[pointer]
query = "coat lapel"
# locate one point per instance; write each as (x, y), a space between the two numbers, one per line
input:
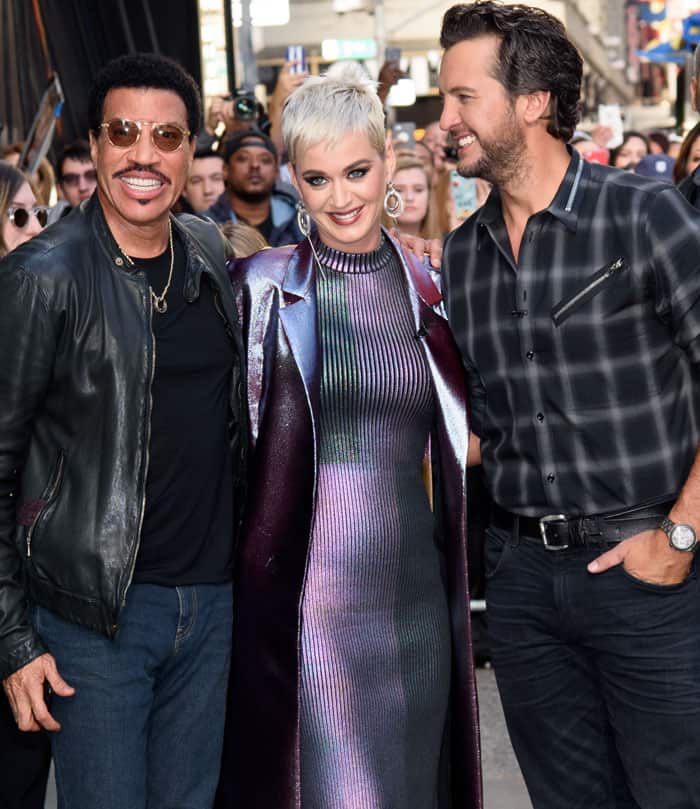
(299, 321)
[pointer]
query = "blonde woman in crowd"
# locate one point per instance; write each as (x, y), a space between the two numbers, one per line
(352, 684)
(412, 182)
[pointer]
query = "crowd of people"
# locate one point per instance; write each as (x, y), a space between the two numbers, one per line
(237, 490)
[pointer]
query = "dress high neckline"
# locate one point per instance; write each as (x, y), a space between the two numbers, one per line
(341, 261)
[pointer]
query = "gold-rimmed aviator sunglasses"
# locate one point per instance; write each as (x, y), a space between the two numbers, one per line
(123, 133)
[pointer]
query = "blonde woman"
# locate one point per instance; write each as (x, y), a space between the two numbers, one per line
(419, 216)
(352, 684)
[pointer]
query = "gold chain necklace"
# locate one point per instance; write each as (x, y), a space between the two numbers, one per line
(158, 301)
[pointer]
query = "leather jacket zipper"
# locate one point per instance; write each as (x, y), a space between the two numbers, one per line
(50, 495)
(132, 564)
(563, 310)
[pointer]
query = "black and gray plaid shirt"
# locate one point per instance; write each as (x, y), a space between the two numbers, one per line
(582, 358)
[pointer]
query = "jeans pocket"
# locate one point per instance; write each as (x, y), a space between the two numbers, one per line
(652, 587)
(497, 549)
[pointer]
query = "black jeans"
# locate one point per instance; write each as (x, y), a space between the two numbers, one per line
(25, 759)
(599, 676)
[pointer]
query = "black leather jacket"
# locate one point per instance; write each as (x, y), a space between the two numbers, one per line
(76, 369)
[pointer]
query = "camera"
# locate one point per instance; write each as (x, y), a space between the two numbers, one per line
(245, 105)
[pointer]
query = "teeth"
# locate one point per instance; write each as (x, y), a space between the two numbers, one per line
(345, 215)
(142, 182)
(467, 140)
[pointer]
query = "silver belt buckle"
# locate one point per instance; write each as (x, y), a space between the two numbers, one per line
(544, 522)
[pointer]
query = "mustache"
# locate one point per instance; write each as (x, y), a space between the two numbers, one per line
(142, 167)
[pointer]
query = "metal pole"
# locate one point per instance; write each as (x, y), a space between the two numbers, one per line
(151, 28)
(230, 60)
(127, 28)
(681, 95)
(379, 30)
(245, 44)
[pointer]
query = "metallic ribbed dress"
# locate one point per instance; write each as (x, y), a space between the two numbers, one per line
(375, 635)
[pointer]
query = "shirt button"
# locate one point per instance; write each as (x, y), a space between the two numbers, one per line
(530, 355)
(551, 478)
(540, 417)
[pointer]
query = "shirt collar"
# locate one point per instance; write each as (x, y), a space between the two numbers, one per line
(566, 203)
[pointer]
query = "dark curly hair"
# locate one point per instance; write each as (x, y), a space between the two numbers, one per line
(535, 54)
(145, 70)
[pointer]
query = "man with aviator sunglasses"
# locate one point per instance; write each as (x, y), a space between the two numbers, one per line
(121, 459)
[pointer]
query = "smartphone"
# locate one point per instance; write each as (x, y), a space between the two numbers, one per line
(392, 55)
(296, 53)
(464, 199)
(404, 135)
(611, 115)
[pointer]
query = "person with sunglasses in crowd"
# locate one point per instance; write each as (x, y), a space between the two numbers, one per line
(22, 218)
(76, 178)
(25, 757)
(121, 449)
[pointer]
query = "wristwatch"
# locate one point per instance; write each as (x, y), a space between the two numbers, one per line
(681, 536)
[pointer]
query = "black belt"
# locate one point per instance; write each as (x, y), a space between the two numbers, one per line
(558, 532)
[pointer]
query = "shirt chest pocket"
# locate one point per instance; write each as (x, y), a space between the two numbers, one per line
(610, 278)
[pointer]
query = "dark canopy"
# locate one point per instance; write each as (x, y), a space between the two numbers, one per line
(81, 36)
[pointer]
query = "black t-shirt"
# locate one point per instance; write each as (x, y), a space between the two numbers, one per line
(187, 533)
(265, 227)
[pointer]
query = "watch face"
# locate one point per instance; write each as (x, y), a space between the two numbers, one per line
(682, 537)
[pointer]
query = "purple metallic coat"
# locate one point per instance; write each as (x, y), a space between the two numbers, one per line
(276, 297)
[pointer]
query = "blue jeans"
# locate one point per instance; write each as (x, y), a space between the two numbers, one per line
(145, 726)
(599, 676)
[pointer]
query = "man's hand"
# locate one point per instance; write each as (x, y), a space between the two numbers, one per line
(220, 111)
(421, 247)
(601, 136)
(647, 556)
(25, 691)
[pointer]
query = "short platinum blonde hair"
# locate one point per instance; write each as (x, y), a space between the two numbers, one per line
(326, 108)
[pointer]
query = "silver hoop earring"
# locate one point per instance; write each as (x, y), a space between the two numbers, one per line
(393, 202)
(303, 219)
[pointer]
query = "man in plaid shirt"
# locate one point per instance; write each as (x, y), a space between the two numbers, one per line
(574, 295)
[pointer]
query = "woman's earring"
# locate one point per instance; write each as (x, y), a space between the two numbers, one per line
(393, 202)
(303, 219)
